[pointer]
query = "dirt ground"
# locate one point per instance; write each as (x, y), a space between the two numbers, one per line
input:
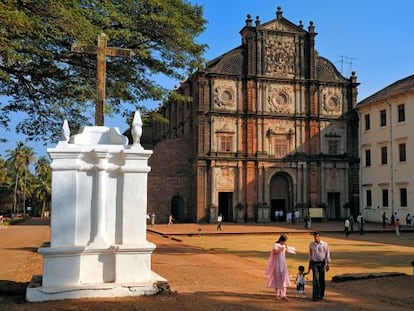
(199, 280)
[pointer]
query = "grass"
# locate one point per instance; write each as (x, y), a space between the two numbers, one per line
(369, 253)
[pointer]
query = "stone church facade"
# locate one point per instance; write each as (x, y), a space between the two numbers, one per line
(271, 126)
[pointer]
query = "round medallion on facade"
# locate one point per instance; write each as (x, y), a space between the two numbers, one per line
(224, 97)
(279, 102)
(332, 104)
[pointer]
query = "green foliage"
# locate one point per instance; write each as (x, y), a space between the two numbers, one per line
(19, 187)
(41, 77)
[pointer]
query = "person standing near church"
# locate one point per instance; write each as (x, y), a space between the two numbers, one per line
(319, 260)
(276, 268)
(170, 220)
(219, 221)
(397, 226)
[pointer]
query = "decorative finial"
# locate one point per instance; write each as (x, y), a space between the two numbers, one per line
(65, 131)
(311, 27)
(257, 22)
(300, 24)
(136, 130)
(248, 20)
(279, 13)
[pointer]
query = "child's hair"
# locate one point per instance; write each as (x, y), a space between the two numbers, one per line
(301, 268)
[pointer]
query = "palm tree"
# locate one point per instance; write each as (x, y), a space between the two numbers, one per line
(4, 187)
(43, 188)
(19, 160)
(3, 172)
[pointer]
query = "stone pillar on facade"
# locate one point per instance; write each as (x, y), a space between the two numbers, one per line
(213, 193)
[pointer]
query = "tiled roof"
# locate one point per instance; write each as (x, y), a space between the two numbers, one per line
(399, 87)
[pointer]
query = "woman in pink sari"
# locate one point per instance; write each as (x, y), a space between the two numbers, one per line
(276, 269)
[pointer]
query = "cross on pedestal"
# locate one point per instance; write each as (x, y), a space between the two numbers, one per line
(101, 50)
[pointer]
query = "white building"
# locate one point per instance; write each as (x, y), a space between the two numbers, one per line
(386, 147)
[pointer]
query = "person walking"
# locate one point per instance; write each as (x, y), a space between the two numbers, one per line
(361, 221)
(384, 220)
(408, 220)
(276, 268)
(170, 220)
(397, 226)
(347, 226)
(361, 228)
(219, 221)
(297, 217)
(152, 219)
(319, 260)
(308, 221)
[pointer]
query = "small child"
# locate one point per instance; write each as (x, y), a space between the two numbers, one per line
(300, 282)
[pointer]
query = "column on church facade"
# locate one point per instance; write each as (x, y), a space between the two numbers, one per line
(213, 188)
(239, 174)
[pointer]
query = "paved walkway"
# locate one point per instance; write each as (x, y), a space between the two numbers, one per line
(268, 228)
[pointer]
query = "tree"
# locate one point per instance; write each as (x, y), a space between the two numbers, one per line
(41, 77)
(18, 162)
(43, 188)
(3, 172)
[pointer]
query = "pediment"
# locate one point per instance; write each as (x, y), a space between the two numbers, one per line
(282, 25)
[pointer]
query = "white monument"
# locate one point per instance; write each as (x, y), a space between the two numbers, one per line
(98, 244)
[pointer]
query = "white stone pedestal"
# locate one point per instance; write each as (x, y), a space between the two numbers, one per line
(98, 242)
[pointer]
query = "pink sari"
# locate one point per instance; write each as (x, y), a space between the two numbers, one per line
(276, 269)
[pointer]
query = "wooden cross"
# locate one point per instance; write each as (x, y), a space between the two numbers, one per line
(101, 50)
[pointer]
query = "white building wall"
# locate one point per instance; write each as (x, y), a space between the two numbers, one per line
(396, 174)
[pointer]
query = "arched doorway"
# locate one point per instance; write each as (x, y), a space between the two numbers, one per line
(280, 196)
(177, 207)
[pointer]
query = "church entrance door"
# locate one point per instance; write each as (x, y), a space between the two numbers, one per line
(225, 208)
(280, 196)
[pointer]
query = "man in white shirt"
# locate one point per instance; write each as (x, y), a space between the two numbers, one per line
(319, 259)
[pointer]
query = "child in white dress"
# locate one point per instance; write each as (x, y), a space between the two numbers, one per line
(300, 282)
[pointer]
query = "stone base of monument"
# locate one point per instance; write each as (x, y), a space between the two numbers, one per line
(89, 272)
(36, 293)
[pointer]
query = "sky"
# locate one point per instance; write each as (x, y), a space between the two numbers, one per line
(371, 37)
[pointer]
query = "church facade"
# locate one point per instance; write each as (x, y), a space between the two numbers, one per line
(271, 127)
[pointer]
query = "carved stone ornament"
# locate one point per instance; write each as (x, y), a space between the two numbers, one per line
(279, 101)
(279, 56)
(224, 97)
(331, 103)
(225, 178)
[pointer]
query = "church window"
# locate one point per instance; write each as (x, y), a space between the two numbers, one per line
(281, 147)
(333, 146)
(226, 143)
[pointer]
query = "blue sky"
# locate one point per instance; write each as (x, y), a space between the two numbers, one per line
(371, 37)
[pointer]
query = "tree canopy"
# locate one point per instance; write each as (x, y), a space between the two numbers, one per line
(41, 77)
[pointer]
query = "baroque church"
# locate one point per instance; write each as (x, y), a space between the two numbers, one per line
(271, 126)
